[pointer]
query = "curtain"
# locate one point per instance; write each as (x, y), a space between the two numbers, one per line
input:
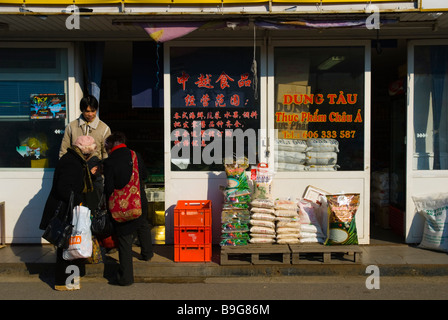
(439, 56)
(94, 53)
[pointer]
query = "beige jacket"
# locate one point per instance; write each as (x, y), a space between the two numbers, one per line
(79, 127)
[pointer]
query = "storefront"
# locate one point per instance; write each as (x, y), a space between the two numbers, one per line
(272, 75)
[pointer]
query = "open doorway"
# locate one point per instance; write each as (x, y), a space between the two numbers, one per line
(129, 103)
(388, 151)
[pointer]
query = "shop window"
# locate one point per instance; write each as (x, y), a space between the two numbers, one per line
(319, 108)
(32, 106)
(215, 107)
(430, 108)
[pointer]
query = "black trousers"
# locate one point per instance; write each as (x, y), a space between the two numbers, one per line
(125, 274)
(62, 272)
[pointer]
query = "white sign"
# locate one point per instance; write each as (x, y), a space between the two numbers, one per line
(434, 4)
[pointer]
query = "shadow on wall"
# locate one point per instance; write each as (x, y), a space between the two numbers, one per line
(215, 180)
(26, 229)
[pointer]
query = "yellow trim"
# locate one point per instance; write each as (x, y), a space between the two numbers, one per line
(244, 2)
(58, 2)
(149, 2)
(317, 2)
(434, 9)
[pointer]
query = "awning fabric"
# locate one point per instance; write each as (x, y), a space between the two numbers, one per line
(166, 31)
(316, 24)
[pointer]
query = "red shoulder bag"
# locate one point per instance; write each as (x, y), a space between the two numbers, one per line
(125, 204)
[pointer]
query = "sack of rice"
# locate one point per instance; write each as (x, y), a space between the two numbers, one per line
(321, 158)
(341, 219)
(293, 145)
(262, 177)
(323, 145)
(235, 215)
(434, 208)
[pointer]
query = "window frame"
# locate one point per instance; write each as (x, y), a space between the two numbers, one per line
(367, 107)
(167, 100)
(67, 76)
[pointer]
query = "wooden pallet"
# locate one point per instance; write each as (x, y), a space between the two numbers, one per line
(256, 254)
(320, 254)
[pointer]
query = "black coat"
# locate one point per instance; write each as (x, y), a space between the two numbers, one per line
(117, 172)
(68, 176)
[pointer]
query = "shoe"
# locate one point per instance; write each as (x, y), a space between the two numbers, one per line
(115, 282)
(66, 288)
(111, 251)
(146, 258)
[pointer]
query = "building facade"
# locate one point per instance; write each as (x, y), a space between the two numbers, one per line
(366, 79)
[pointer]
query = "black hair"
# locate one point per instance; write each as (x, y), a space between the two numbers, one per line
(87, 101)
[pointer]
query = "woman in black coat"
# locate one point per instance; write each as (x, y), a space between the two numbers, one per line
(117, 173)
(72, 173)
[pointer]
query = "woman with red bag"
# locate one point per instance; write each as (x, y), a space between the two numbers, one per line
(118, 169)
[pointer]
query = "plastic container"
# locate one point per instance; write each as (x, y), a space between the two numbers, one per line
(192, 235)
(192, 253)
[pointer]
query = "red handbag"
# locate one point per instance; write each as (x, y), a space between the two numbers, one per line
(109, 242)
(125, 204)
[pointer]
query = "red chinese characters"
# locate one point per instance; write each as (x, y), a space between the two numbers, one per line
(219, 119)
(206, 81)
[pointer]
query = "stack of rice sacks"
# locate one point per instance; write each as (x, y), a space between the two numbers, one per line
(262, 221)
(290, 154)
(322, 155)
(235, 214)
(287, 222)
(262, 225)
(310, 217)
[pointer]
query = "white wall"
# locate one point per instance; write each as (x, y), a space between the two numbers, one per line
(24, 193)
(205, 186)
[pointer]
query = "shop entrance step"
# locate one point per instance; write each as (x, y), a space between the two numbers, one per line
(320, 254)
(255, 254)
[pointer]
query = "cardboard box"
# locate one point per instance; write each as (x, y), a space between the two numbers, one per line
(292, 70)
(288, 113)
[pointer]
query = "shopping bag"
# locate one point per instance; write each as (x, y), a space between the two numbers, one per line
(109, 242)
(97, 256)
(102, 225)
(80, 245)
(59, 228)
(125, 204)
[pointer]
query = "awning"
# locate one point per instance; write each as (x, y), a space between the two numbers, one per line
(316, 24)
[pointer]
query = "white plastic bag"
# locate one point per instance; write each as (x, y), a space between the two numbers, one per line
(81, 239)
(434, 208)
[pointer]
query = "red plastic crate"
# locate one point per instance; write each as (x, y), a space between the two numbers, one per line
(192, 253)
(192, 235)
(195, 213)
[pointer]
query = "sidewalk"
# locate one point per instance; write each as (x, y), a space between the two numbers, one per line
(392, 260)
